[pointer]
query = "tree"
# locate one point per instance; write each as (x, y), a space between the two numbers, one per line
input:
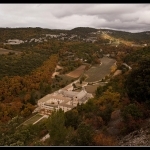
(131, 110)
(56, 127)
(100, 90)
(108, 102)
(84, 135)
(72, 118)
(132, 117)
(101, 139)
(138, 82)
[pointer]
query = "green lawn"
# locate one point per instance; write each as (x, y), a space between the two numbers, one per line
(32, 119)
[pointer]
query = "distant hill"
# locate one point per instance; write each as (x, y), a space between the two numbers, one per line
(84, 30)
(37, 32)
(139, 37)
(25, 33)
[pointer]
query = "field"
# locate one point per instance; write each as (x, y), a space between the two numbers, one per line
(32, 119)
(98, 72)
(6, 51)
(66, 79)
(77, 72)
(92, 88)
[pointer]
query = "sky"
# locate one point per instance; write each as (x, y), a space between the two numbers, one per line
(125, 17)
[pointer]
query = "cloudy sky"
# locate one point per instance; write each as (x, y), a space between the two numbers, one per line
(126, 17)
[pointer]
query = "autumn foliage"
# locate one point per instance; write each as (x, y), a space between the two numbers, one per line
(18, 94)
(101, 139)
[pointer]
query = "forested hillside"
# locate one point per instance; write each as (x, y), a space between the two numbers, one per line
(118, 108)
(138, 38)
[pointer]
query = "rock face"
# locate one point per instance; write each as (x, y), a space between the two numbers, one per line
(114, 123)
(139, 137)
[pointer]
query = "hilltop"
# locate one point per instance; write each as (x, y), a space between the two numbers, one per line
(78, 33)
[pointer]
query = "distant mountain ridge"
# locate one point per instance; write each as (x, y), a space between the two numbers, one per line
(33, 32)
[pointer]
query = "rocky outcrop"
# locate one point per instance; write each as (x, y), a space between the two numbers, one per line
(139, 137)
(114, 122)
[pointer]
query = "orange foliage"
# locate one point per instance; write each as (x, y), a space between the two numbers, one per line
(96, 122)
(17, 90)
(101, 139)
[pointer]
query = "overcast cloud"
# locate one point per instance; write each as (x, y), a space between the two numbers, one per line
(126, 17)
